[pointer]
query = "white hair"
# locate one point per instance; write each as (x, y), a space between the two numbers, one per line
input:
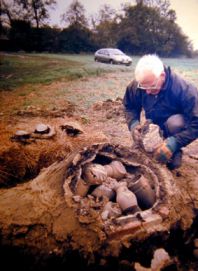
(148, 64)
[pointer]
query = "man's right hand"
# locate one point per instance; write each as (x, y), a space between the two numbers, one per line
(136, 133)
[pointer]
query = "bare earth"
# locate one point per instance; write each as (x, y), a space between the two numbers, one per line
(94, 107)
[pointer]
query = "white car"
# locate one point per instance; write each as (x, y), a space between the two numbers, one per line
(112, 56)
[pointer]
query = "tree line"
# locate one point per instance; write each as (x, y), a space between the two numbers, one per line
(146, 26)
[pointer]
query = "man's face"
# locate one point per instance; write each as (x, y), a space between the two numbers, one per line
(151, 84)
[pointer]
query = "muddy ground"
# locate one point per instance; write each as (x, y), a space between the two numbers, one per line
(102, 121)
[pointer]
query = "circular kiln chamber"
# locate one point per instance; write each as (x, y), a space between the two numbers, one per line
(150, 183)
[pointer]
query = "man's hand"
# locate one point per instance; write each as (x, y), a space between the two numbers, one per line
(163, 154)
(165, 151)
(136, 133)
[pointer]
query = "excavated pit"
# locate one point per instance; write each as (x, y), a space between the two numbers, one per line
(154, 198)
(70, 227)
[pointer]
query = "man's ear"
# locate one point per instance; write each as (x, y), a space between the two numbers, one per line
(163, 75)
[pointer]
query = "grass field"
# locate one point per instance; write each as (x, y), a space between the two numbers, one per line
(47, 80)
(20, 69)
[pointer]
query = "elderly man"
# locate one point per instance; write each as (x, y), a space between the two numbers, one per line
(168, 101)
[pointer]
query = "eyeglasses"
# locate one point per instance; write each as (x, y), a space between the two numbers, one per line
(154, 86)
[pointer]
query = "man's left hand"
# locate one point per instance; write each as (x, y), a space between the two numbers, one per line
(164, 152)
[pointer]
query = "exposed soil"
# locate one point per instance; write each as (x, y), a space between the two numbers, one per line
(21, 161)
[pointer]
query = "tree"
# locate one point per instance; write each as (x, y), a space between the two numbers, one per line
(105, 27)
(144, 30)
(76, 37)
(76, 40)
(20, 35)
(75, 14)
(163, 6)
(33, 11)
(181, 44)
(39, 10)
(11, 10)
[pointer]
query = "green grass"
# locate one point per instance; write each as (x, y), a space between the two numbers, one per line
(29, 69)
(32, 75)
(20, 69)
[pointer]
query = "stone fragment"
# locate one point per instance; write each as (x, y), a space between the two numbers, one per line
(72, 128)
(111, 210)
(160, 260)
(151, 137)
(42, 129)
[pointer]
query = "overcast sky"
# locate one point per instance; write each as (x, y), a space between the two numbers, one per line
(186, 11)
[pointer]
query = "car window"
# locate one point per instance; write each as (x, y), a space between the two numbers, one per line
(116, 52)
(101, 52)
(106, 52)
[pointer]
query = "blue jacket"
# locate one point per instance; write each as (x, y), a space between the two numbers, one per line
(176, 97)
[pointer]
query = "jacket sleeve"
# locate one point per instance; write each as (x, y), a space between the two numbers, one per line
(132, 104)
(189, 103)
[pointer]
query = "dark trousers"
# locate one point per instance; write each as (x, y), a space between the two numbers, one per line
(174, 124)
